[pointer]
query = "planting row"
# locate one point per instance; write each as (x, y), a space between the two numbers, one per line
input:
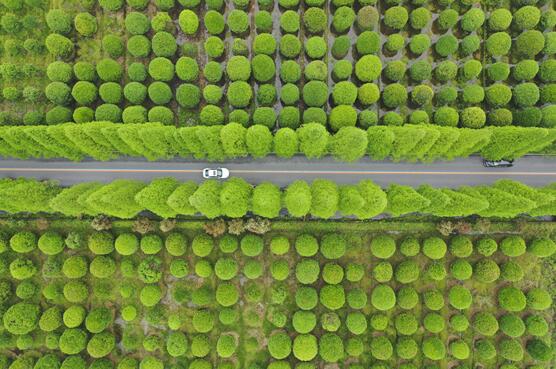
(105, 141)
(235, 198)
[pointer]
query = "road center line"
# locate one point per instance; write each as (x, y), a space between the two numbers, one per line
(264, 171)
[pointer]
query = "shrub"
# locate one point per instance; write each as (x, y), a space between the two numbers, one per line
(59, 72)
(164, 44)
(420, 71)
(469, 45)
(419, 18)
(368, 93)
(238, 21)
(59, 21)
(434, 248)
(342, 116)
(511, 299)
(344, 17)
(539, 350)
(263, 68)
(59, 46)
(419, 44)
(367, 18)
(214, 22)
(459, 349)
(342, 70)
(331, 348)
(473, 117)
(446, 71)
(73, 341)
(137, 23)
(368, 68)
(315, 47)
(538, 299)
(485, 323)
(21, 318)
(239, 94)
(422, 95)
(84, 93)
(472, 20)
(290, 46)
(446, 45)
(315, 20)
(23, 242)
(289, 21)
(512, 325)
(279, 345)
(344, 93)
(407, 272)
(460, 297)
(433, 348)
(340, 47)
(395, 70)
(160, 93)
(394, 95)
(189, 22)
(383, 297)
(527, 17)
(433, 323)
(486, 271)
(396, 17)
(498, 94)
(381, 348)
(305, 347)
(289, 94)
(447, 19)
(510, 349)
(188, 95)
(263, 21)
(266, 95)
(383, 247)
(499, 20)
(498, 44)
(513, 246)
(85, 24)
(316, 70)
(529, 43)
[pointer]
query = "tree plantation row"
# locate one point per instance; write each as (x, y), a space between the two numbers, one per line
(106, 140)
(235, 198)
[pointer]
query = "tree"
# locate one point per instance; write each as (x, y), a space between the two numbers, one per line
(266, 200)
(349, 144)
(404, 200)
(206, 199)
(259, 141)
(324, 194)
(179, 199)
(153, 197)
(235, 196)
(21, 318)
(313, 140)
(298, 198)
(117, 198)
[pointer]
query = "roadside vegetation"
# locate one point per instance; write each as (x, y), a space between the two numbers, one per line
(105, 141)
(235, 198)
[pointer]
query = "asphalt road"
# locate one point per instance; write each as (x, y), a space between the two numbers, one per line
(532, 170)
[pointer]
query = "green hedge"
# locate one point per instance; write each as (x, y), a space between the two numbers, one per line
(234, 198)
(105, 141)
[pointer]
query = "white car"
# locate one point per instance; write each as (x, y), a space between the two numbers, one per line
(218, 173)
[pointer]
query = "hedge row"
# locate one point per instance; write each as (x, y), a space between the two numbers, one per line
(234, 198)
(105, 141)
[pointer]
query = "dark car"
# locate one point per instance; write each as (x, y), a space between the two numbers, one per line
(498, 163)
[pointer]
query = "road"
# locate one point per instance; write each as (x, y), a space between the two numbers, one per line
(532, 170)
